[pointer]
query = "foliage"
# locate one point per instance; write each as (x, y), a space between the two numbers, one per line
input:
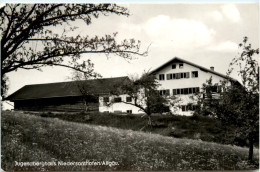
(144, 94)
(238, 104)
(28, 40)
(88, 92)
(207, 99)
(28, 138)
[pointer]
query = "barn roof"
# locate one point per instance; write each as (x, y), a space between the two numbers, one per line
(177, 59)
(66, 89)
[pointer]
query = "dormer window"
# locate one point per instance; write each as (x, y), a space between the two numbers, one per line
(174, 66)
(181, 65)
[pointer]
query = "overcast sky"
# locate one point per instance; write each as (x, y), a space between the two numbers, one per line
(206, 34)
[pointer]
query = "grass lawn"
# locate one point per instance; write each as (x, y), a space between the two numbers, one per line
(199, 128)
(28, 138)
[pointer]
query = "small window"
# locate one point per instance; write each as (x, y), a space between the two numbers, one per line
(182, 75)
(167, 92)
(186, 91)
(106, 99)
(174, 66)
(181, 65)
(174, 91)
(195, 74)
(178, 91)
(129, 111)
(182, 91)
(128, 99)
(161, 76)
(197, 89)
(183, 107)
(190, 91)
(169, 76)
(178, 75)
(214, 89)
(173, 76)
(187, 74)
(117, 99)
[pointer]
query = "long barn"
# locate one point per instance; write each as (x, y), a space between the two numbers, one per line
(64, 96)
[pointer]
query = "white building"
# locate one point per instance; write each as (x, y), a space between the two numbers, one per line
(182, 78)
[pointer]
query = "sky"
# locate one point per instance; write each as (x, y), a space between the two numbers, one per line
(205, 34)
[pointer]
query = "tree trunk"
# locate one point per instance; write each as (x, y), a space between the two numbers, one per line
(149, 120)
(251, 149)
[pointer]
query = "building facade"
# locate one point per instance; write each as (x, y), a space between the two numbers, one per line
(182, 79)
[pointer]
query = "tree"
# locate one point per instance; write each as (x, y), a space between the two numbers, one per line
(22, 25)
(238, 104)
(88, 92)
(144, 95)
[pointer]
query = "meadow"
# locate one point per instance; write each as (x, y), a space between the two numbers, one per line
(193, 127)
(30, 138)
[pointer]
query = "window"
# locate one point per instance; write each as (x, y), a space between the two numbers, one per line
(162, 92)
(169, 76)
(214, 88)
(189, 107)
(195, 74)
(117, 99)
(185, 90)
(182, 75)
(183, 107)
(178, 75)
(105, 99)
(186, 75)
(128, 99)
(161, 76)
(174, 66)
(193, 90)
(165, 92)
(174, 91)
(173, 76)
(129, 111)
(180, 65)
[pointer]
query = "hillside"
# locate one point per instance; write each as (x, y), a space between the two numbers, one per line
(28, 138)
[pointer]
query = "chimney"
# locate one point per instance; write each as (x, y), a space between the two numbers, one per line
(212, 68)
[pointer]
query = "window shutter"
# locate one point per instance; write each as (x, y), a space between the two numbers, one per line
(174, 76)
(178, 76)
(168, 76)
(167, 93)
(187, 74)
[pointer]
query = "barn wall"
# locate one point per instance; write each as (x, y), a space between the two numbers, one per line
(63, 104)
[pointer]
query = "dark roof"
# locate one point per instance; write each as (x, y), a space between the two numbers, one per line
(66, 89)
(177, 59)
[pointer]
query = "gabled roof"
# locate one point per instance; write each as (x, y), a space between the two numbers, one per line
(177, 59)
(66, 89)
